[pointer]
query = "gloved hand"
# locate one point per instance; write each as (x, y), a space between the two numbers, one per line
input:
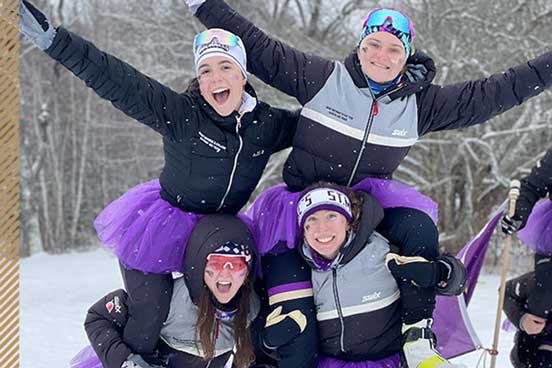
(136, 361)
(447, 274)
(35, 26)
(511, 225)
(529, 194)
(418, 270)
(282, 328)
(194, 5)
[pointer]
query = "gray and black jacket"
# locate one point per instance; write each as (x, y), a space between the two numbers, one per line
(356, 297)
(178, 343)
(345, 133)
(212, 163)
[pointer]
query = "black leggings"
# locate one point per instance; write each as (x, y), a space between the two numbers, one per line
(149, 298)
(415, 234)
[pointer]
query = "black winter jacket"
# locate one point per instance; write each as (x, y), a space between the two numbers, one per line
(212, 163)
(345, 133)
(528, 349)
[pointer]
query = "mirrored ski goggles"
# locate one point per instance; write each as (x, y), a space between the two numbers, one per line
(219, 262)
(217, 38)
(391, 18)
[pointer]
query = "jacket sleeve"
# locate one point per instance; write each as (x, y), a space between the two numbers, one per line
(517, 292)
(287, 125)
(130, 91)
(104, 325)
(538, 184)
(474, 102)
(291, 71)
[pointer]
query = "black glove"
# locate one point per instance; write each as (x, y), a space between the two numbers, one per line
(35, 26)
(418, 270)
(282, 328)
(536, 185)
(524, 206)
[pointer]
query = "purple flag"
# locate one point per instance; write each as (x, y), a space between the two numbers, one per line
(455, 332)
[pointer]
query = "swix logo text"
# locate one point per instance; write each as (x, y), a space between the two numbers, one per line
(400, 132)
(373, 296)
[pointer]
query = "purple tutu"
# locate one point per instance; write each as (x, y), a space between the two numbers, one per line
(86, 358)
(144, 231)
(392, 194)
(537, 234)
(389, 362)
(274, 212)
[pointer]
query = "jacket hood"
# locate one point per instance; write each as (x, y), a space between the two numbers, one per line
(371, 216)
(420, 72)
(211, 232)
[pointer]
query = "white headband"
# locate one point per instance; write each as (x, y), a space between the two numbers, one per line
(323, 199)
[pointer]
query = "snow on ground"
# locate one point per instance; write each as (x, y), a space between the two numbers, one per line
(56, 291)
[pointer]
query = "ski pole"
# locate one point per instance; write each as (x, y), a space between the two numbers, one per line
(513, 195)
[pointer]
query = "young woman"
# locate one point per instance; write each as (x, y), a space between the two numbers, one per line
(217, 138)
(210, 312)
(356, 295)
(533, 341)
(535, 225)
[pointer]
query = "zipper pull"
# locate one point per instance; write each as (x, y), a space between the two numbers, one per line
(376, 108)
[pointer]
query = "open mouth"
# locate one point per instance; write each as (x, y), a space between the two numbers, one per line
(221, 95)
(224, 286)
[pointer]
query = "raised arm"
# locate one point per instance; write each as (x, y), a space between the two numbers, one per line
(276, 63)
(135, 94)
(474, 102)
(536, 185)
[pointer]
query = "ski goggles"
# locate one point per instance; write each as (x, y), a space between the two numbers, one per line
(215, 38)
(219, 262)
(389, 18)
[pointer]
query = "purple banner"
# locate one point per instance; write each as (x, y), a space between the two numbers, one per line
(455, 333)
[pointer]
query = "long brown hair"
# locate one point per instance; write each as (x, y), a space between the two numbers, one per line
(205, 327)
